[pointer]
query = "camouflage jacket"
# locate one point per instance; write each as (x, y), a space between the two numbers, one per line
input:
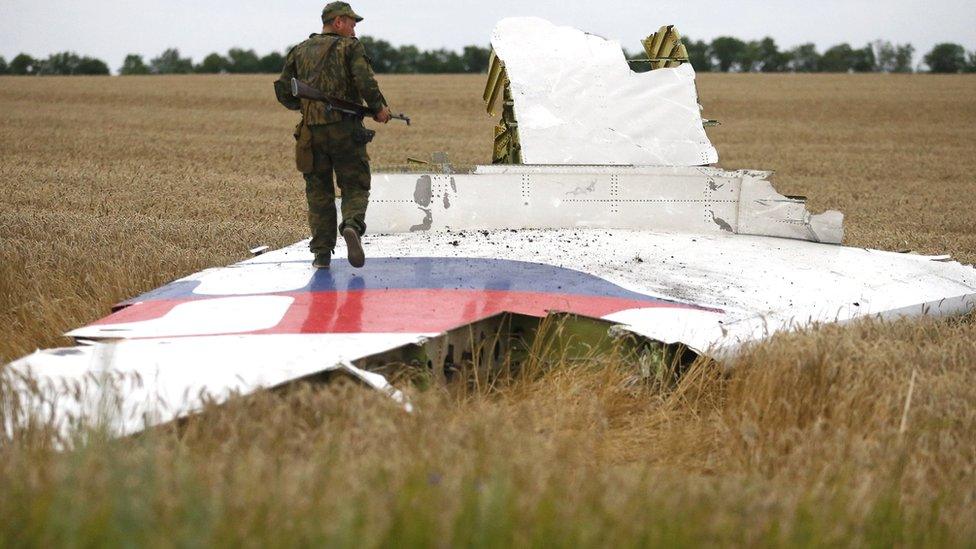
(336, 65)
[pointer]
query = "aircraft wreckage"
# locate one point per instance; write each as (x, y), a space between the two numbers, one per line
(600, 208)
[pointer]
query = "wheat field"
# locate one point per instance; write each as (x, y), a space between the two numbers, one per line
(859, 435)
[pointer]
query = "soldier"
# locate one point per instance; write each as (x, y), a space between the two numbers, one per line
(328, 141)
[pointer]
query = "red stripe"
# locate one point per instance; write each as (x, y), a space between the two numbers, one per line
(398, 311)
(431, 310)
(141, 311)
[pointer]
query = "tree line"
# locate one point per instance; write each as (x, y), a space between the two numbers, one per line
(730, 54)
(67, 62)
(385, 57)
(723, 54)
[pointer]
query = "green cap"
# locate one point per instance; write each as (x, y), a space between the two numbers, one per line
(335, 9)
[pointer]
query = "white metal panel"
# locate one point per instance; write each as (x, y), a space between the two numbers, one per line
(687, 199)
(156, 380)
(763, 211)
(578, 102)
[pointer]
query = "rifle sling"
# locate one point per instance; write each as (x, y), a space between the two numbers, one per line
(321, 65)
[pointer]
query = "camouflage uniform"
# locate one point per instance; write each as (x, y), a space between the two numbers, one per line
(329, 141)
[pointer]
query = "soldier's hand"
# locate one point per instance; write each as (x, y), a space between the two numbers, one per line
(383, 116)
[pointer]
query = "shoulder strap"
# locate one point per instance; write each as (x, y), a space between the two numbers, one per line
(321, 64)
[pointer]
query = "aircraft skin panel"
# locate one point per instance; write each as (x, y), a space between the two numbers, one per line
(712, 293)
(688, 199)
(395, 295)
(156, 380)
(577, 101)
(357, 311)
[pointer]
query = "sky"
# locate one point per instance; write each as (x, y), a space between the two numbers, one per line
(110, 29)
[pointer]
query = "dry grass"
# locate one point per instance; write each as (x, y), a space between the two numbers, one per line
(112, 186)
(802, 444)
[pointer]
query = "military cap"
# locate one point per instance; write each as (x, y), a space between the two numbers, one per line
(335, 9)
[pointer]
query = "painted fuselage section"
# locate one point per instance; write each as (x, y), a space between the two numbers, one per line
(391, 295)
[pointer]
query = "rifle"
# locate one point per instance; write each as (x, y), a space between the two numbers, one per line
(302, 90)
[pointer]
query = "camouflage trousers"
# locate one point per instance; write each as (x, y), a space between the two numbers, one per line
(338, 148)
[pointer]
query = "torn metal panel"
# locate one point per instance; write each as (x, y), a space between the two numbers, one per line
(765, 212)
(688, 199)
(153, 380)
(577, 101)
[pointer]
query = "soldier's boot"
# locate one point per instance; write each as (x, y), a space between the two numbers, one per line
(357, 257)
(322, 260)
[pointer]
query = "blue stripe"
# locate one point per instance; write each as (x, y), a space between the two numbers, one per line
(439, 273)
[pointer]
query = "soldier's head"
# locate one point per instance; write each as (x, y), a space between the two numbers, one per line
(339, 18)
